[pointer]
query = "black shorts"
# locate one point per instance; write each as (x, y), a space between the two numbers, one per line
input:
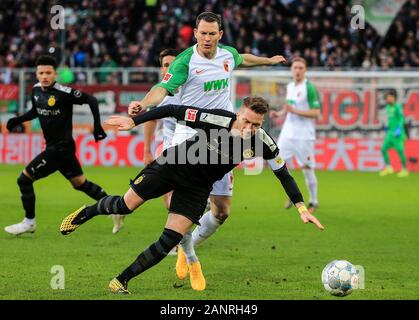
(49, 161)
(155, 180)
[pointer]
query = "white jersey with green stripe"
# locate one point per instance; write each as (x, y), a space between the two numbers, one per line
(203, 83)
(301, 96)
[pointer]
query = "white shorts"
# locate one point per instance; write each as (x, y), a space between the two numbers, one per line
(167, 141)
(222, 187)
(302, 150)
(163, 140)
(181, 134)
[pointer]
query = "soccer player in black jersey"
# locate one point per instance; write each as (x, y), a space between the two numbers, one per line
(53, 103)
(224, 139)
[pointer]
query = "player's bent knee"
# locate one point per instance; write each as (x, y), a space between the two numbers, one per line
(28, 175)
(78, 182)
(168, 240)
(132, 199)
(223, 214)
(24, 180)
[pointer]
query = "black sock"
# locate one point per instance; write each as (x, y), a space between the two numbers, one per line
(27, 195)
(151, 256)
(92, 190)
(105, 206)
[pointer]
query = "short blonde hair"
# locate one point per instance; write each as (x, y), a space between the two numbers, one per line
(299, 59)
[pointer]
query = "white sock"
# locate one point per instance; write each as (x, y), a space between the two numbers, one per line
(209, 224)
(29, 221)
(311, 183)
(188, 248)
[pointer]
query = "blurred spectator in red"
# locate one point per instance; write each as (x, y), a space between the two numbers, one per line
(186, 33)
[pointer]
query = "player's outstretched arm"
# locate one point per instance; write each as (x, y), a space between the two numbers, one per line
(79, 97)
(190, 116)
(120, 122)
(277, 113)
(312, 113)
(153, 98)
(307, 216)
(28, 116)
(98, 131)
(293, 192)
(126, 123)
(250, 60)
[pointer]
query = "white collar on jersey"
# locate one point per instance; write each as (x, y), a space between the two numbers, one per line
(301, 83)
(195, 50)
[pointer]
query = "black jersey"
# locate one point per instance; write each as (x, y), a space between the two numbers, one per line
(213, 150)
(54, 108)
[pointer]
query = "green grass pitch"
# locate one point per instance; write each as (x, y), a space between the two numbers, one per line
(262, 252)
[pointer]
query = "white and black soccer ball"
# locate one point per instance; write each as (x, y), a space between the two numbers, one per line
(339, 278)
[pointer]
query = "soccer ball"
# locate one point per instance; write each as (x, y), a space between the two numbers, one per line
(339, 278)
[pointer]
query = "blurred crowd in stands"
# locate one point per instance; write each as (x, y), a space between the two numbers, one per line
(128, 33)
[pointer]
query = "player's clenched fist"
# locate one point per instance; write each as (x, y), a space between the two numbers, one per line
(277, 59)
(134, 108)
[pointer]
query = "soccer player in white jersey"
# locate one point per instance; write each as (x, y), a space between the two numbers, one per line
(166, 57)
(202, 74)
(298, 133)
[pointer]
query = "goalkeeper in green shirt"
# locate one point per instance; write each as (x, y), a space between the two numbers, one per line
(396, 134)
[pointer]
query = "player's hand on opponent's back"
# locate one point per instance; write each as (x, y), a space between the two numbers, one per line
(134, 108)
(308, 217)
(122, 123)
(98, 132)
(277, 59)
(13, 122)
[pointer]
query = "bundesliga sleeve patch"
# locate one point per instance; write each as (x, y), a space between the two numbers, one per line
(167, 77)
(77, 93)
(190, 115)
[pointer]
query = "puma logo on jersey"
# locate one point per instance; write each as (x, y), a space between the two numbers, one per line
(36, 98)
